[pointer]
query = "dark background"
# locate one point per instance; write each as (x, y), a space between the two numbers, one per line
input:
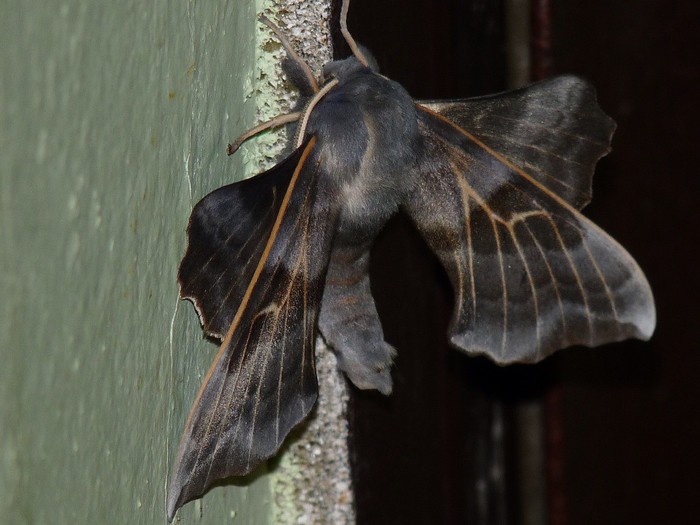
(622, 420)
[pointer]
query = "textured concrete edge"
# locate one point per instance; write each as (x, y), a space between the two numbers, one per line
(312, 481)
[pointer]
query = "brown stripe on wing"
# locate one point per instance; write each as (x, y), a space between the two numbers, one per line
(540, 275)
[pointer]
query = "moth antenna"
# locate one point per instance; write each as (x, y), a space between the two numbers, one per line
(309, 108)
(348, 37)
(279, 120)
(291, 53)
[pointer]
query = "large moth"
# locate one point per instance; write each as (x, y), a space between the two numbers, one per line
(493, 184)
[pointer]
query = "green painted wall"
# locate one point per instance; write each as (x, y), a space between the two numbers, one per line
(114, 117)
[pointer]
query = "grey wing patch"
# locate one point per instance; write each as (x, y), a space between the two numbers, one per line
(552, 129)
(531, 274)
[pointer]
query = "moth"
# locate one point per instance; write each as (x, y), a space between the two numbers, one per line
(493, 184)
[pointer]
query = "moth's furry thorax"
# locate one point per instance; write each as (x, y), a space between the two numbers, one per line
(369, 142)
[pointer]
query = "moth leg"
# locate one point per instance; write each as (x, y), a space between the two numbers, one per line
(279, 120)
(349, 322)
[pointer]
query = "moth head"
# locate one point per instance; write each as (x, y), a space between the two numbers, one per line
(342, 69)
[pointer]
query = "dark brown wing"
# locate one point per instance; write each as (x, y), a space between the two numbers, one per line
(227, 234)
(531, 274)
(262, 382)
(554, 130)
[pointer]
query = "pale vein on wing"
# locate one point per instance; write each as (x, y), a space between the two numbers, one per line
(601, 276)
(244, 303)
(533, 288)
(551, 276)
(574, 269)
(494, 219)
